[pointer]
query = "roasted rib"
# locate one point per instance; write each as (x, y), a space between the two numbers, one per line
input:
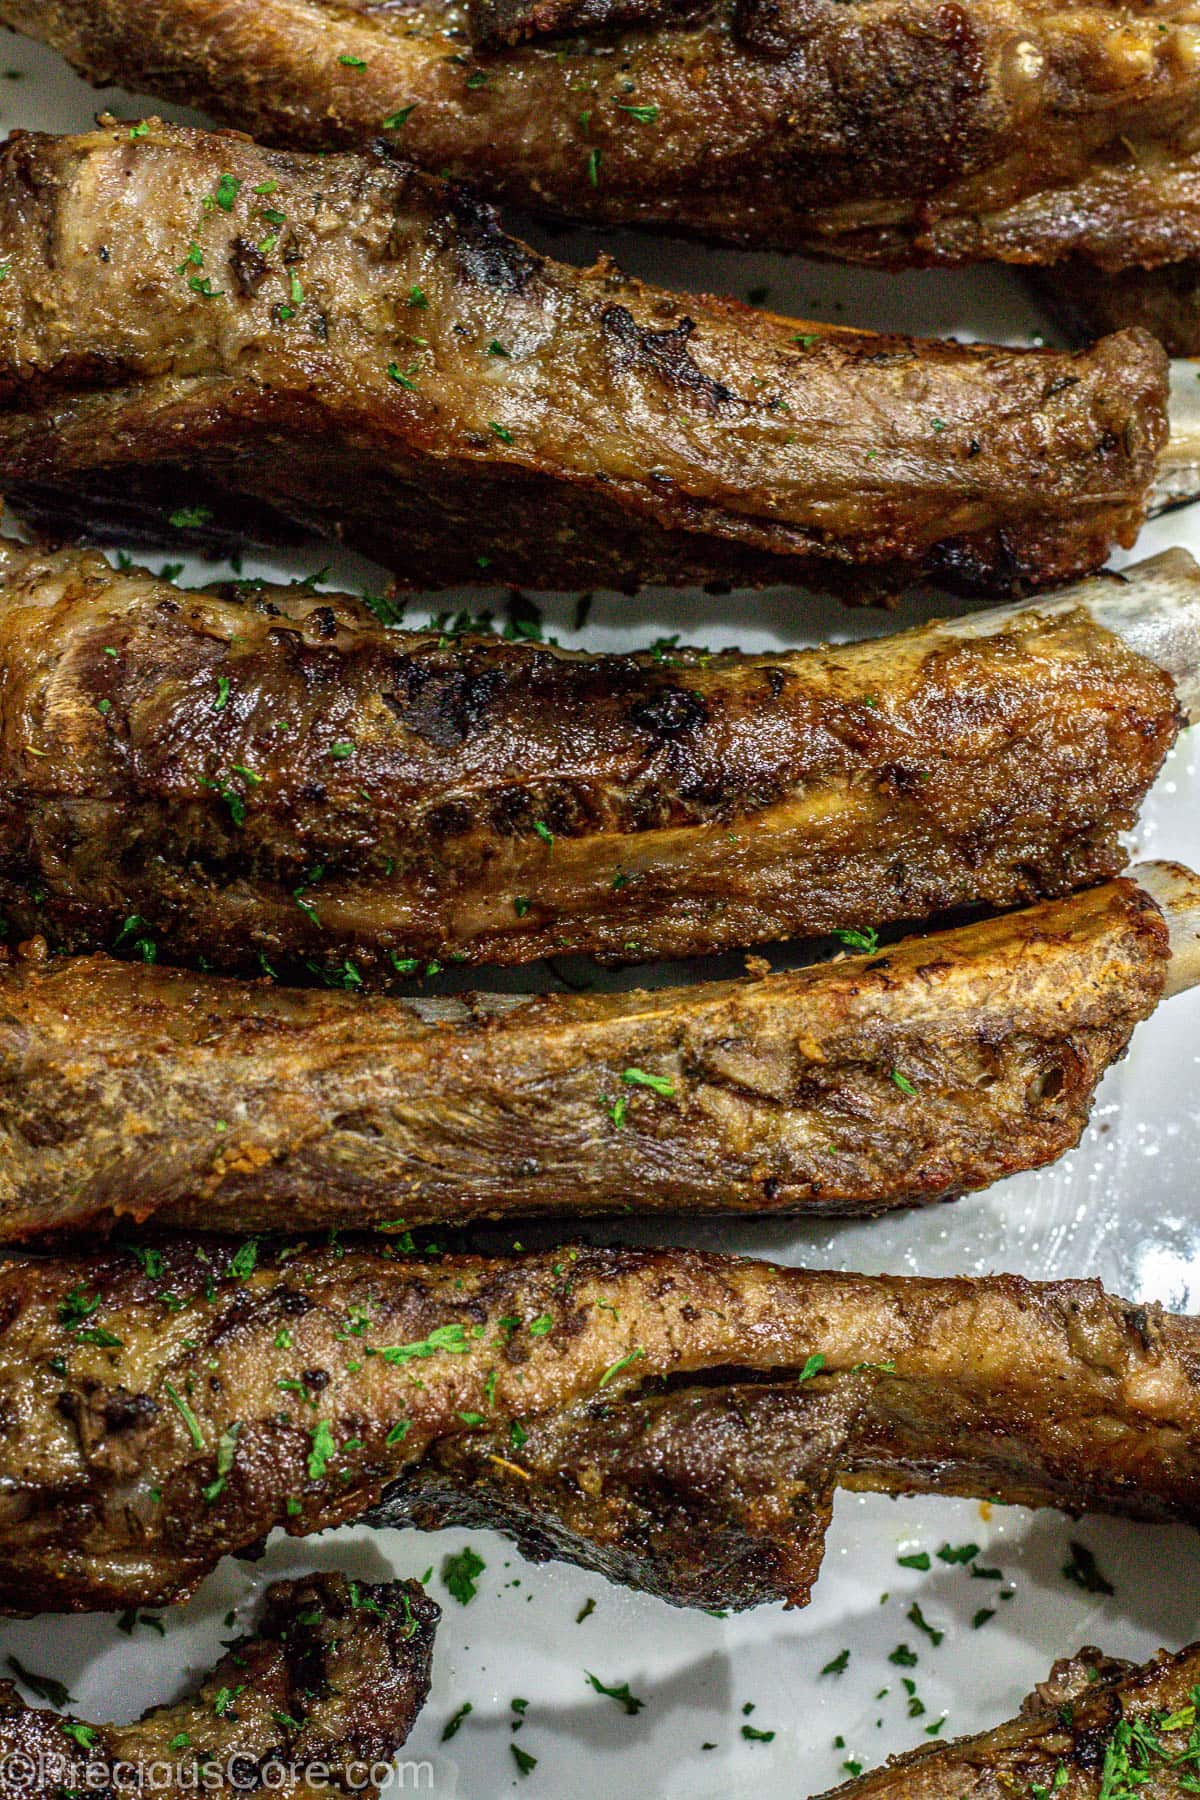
(1098, 1729)
(203, 337)
(326, 1691)
(269, 773)
(908, 1075)
(881, 132)
(679, 1421)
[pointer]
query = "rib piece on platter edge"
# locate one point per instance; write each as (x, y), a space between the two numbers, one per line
(675, 1420)
(912, 1074)
(333, 1679)
(228, 340)
(872, 132)
(1096, 1727)
(274, 775)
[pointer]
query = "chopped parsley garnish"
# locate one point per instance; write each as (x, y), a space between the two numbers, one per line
(903, 1083)
(186, 1414)
(916, 1617)
(838, 1665)
(814, 1365)
(621, 1694)
(395, 120)
(228, 189)
(645, 115)
(754, 1736)
(351, 62)
(658, 1084)
(445, 1337)
(919, 1560)
(323, 1447)
(500, 431)
(865, 942)
(454, 1722)
(614, 1369)
(459, 1574)
(226, 1452)
(522, 1758)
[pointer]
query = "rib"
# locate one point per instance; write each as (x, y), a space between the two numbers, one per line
(261, 772)
(906, 1075)
(888, 132)
(676, 1420)
(1098, 1726)
(392, 370)
(326, 1691)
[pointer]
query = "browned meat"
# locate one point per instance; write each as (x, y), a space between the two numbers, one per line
(891, 130)
(1164, 301)
(1105, 1730)
(677, 1420)
(194, 329)
(326, 1691)
(910, 1075)
(275, 775)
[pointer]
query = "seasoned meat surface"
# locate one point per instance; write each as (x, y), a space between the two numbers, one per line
(892, 131)
(326, 1690)
(677, 1420)
(1098, 1728)
(269, 774)
(911, 1074)
(200, 336)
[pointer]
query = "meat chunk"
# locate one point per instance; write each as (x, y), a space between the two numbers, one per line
(905, 1075)
(677, 1420)
(269, 774)
(409, 379)
(1104, 1727)
(890, 131)
(329, 1686)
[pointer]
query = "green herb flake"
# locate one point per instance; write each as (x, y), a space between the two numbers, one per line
(614, 1369)
(186, 1414)
(658, 1084)
(628, 1702)
(323, 1447)
(454, 1723)
(460, 1572)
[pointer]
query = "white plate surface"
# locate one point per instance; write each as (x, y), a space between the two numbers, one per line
(1123, 1206)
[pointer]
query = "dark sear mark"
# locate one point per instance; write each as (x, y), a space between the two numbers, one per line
(664, 354)
(669, 712)
(443, 706)
(249, 266)
(484, 254)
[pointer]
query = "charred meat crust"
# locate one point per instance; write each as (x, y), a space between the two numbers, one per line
(894, 131)
(1061, 1741)
(334, 1676)
(261, 773)
(915, 1074)
(409, 379)
(574, 1397)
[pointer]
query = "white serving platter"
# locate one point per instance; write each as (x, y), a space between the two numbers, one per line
(1124, 1206)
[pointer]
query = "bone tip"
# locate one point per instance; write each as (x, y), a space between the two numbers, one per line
(1176, 891)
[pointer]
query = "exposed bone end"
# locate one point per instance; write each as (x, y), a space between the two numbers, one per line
(1178, 478)
(1153, 607)
(1176, 890)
